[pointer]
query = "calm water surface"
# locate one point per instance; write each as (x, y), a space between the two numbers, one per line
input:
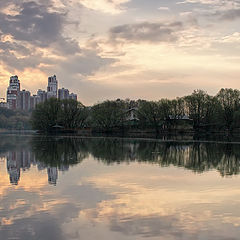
(114, 189)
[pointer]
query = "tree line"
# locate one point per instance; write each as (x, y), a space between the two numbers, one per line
(10, 119)
(199, 110)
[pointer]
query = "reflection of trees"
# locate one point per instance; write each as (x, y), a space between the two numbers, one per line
(112, 150)
(59, 152)
(12, 143)
(198, 157)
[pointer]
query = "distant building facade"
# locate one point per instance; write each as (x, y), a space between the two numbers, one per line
(73, 96)
(63, 93)
(24, 100)
(4, 105)
(52, 89)
(42, 95)
(34, 100)
(13, 92)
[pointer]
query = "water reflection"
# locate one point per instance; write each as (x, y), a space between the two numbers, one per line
(115, 189)
(59, 153)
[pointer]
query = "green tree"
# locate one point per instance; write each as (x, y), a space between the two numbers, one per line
(236, 119)
(108, 115)
(229, 100)
(14, 119)
(149, 115)
(46, 115)
(177, 111)
(72, 114)
(165, 111)
(212, 118)
(196, 107)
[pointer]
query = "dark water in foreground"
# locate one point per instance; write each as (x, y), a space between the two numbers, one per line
(114, 189)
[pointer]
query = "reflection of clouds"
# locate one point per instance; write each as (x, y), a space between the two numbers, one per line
(40, 225)
(4, 178)
(161, 210)
(121, 201)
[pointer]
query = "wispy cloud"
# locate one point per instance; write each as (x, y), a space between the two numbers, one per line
(107, 6)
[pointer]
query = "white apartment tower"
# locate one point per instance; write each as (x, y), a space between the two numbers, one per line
(24, 100)
(42, 95)
(73, 96)
(13, 92)
(63, 93)
(52, 89)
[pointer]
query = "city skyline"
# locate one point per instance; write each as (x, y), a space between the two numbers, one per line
(122, 48)
(22, 99)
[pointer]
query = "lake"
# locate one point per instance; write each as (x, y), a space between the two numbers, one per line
(68, 188)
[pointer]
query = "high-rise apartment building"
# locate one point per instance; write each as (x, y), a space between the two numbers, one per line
(17, 99)
(52, 89)
(13, 92)
(24, 100)
(34, 100)
(4, 105)
(73, 96)
(42, 95)
(63, 93)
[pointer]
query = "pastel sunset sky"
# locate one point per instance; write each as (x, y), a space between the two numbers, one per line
(108, 49)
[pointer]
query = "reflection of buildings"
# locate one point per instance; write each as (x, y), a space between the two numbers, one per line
(16, 161)
(21, 160)
(52, 175)
(132, 151)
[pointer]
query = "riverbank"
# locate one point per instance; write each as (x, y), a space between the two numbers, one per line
(9, 131)
(150, 135)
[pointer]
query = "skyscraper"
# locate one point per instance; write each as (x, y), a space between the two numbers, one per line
(24, 100)
(34, 100)
(73, 96)
(52, 89)
(42, 95)
(63, 93)
(13, 92)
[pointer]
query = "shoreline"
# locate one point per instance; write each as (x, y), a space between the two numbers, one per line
(185, 138)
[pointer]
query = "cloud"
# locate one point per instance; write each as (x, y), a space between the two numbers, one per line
(106, 6)
(85, 64)
(164, 8)
(223, 9)
(32, 37)
(146, 32)
(230, 15)
(34, 23)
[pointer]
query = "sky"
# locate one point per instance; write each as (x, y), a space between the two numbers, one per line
(109, 49)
